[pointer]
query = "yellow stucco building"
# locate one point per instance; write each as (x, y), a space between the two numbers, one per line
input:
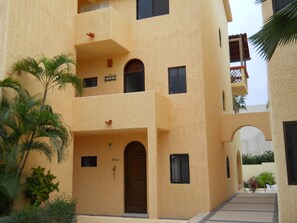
(153, 132)
(282, 83)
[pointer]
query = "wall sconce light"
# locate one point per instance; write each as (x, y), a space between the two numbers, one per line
(109, 62)
(108, 122)
(91, 35)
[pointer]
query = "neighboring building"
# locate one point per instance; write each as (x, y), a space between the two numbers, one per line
(282, 83)
(153, 131)
(252, 139)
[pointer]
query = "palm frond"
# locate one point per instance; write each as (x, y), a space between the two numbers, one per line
(259, 1)
(28, 65)
(279, 30)
(41, 147)
(8, 186)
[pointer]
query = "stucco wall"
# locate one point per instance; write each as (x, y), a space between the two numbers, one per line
(216, 81)
(36, 28)
(282, 82)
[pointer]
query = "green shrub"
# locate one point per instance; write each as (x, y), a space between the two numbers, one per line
(60, 210)
(265, 178)
(267, 157)
(38, 186)
(248, 159)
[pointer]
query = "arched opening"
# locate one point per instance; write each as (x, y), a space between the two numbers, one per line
(223, 101)
(134, 76)
(135, 178)
(228, 167)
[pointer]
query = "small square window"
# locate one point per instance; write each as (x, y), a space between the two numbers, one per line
(90, 82)
(179, 168)
(177, 80)
(88, 161)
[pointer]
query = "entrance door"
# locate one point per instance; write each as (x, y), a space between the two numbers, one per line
(135, 178)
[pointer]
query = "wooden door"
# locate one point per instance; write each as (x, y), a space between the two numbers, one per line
(135, 178)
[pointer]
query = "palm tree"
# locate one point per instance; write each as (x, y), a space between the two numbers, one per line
(53, 72)
(26, 127)
(239, 103)
(279, 30)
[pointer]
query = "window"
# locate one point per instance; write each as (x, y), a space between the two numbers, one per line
(228, 167)
(177, 80)
(88, 161)
(290, 133)
(279, 4)
(150, 8)
(134, 76)
(90, 82)
(179, 168)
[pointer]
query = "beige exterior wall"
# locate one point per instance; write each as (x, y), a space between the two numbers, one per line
(165, 124)
(216, 81)
(254, 170)
(282, 81)
(35, 28)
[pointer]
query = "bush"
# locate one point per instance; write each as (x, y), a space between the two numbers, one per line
(39, 186)
(60, 210)
(265, 178)
(248, 159)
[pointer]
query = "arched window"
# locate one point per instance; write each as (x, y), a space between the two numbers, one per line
(228, 167)
(134, 76)
(220, 38)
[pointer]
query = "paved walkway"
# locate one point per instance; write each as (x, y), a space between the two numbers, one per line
(246, 207)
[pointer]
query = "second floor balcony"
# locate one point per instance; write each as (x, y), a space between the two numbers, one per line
(239, 53)
(120, 112)
(100, 32)
(239, 78)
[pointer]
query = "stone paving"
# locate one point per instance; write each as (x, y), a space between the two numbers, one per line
(246, 208)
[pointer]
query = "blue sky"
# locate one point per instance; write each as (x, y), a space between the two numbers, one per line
(247, 18)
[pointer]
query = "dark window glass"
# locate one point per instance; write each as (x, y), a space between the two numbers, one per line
(290, 136)
(90, 82)
(150, 8)
(134, 82)
(177, 80)
(88, 161)
(160, 7)
(228, 167)
(134, 76)
(179, 168)
(280, 4)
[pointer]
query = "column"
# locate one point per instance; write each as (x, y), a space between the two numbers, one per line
(152, 160)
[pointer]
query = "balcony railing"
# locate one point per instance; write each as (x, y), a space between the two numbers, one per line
(239, 78)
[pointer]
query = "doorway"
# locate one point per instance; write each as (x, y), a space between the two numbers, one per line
(135, 178)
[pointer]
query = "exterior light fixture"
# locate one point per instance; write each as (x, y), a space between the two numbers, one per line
(108, 122)
(109, 62)
(91, 35)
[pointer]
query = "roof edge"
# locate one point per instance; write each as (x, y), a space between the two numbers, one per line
(228, 10)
